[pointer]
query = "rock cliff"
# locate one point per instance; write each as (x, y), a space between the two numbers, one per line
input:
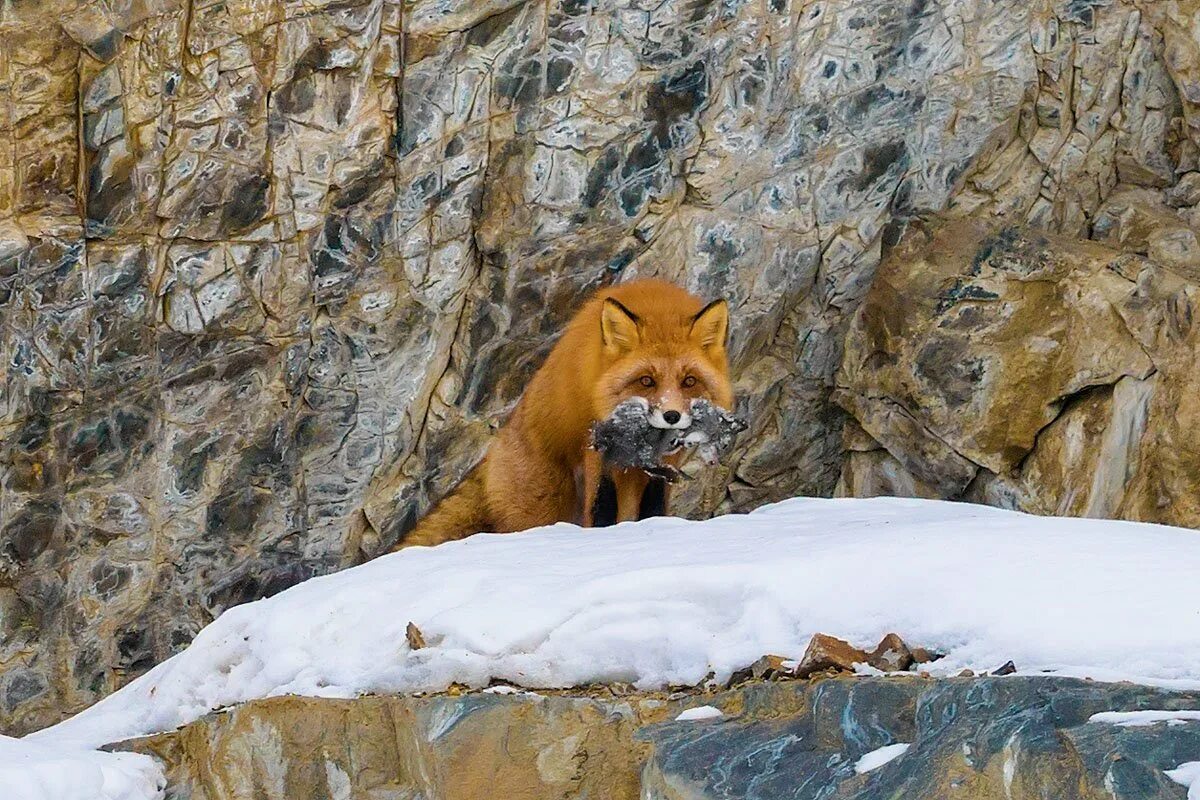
(270, 270)
(983, 738)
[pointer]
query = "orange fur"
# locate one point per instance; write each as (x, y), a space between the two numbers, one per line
(539, 468)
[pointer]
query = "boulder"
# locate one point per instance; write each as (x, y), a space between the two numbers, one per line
(828, 653)
(892, 655)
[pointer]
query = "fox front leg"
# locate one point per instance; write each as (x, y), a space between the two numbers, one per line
(593, 471)
(630, 485)
(673, 462)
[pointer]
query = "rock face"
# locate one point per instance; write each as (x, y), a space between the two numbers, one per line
(1024, 370)
(984, 738)
(270, 271)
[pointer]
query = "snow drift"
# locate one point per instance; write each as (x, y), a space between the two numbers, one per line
(669, 602)
(32, 771)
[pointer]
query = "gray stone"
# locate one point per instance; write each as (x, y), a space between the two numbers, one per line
(1012, 738)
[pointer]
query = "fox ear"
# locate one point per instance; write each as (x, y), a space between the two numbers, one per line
(620, 328)
(711, 325)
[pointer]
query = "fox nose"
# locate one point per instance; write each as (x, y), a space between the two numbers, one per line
(671, 417)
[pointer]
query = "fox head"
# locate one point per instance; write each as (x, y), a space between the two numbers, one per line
(666, 357)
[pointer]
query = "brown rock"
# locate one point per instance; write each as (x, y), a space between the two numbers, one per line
(416, 640)
(765, 668)
(891, 655)
(1096, 424)
(769, 667)
(829, 653)
(876, 473)
(923, 656)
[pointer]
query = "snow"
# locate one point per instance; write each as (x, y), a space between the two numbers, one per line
(877, 758)
(1130, 719)
(700, 713)
(31, 771)
(502, 690)
(1187, 775)
(667, 602)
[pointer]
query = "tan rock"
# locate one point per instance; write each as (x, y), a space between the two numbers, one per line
(891, 655)
(876, 473)
(923, 656)
(416, 640)
(1186, 192)
(512, 746)
(1131, 216)
(960, 314)
(1091, 423)
(1176, 249)
(829, 653)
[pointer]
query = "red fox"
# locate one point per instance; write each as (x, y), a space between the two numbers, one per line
(647, 338)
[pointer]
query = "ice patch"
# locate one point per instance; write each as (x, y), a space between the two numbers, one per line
(699, 713)
(877, 758)
(1135, 719)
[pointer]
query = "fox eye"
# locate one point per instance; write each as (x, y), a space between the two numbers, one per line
(689, 381)
(646, 381)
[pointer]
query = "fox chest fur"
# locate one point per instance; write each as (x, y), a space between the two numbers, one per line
(647, 339)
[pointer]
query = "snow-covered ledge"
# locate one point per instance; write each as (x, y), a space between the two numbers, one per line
(667, 602)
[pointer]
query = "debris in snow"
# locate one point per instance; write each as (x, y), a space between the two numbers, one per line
(966, 673)
(1008, 668)
(1137, 719)
(891, 655)
(877, 758)
(699, 713)
(628, 439)
(416, 640)
(829, 653)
